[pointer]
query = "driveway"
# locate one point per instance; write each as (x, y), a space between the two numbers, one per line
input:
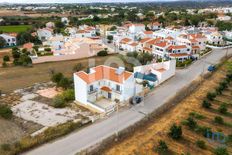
(95, 133)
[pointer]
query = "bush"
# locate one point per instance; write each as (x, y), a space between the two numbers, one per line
(56, 77)
(6, 58)
(64, 83)
(175, 132)
(77, 67)
(47, 49)
(59, 102)
(218, 119)
(223, 108)
(162, 148)
(211, 96)
(68, 95)
(196, 115)
(102, 53)
(5, 111)
(201, 144)
(221, 151)
(191, 123)
(4, 64)
(206, 104)
(5, 147)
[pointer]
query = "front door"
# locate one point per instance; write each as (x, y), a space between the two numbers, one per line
(109, 95)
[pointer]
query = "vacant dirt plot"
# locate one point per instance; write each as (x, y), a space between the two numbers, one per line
(19, 77)
(142, 142)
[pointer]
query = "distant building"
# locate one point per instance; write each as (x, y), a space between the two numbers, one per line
(44, 34)
(10, 40)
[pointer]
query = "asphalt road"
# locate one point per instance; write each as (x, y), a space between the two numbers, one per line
(95, 133)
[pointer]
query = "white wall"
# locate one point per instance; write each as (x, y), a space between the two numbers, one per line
(80, 87)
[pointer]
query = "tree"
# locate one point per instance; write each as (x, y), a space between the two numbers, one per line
(211, 96)
(6, 58)
(223, 108)
(5, 111)
(113, 28)
(58, 102)
(59, 24)
(218, 119)
(206, 104)
(56, 77)
(221, 151)
(2, 42)
(64, 83)
(102, 53)
(191, 123)
(24, 37)
(201, 144)
(162, 147)
(110, 38)
(96, 18)
(175, 132)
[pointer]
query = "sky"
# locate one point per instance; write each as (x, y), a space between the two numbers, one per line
(73, 1)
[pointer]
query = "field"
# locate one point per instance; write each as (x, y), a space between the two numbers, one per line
(12, 78)
(14, 28)
(145, 139)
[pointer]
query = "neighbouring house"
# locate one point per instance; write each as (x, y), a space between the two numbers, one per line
(55, 42)
(179, 52)
(136, 28)
(29, 46)
(124, 42)
(50, 25)
(155, 73)
(154, 26)
(132, 47)
(160, 50)
(65, 20)
(10, 39)
(71, 30)
(228, 34)
(223, 17)
(215, 38)
(44, 34)
(102, 86)
(146, 34)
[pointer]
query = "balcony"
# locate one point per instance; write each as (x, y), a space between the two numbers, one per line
(92, 91)
(117, 91)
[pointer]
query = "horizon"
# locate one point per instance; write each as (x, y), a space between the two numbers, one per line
(87, 1)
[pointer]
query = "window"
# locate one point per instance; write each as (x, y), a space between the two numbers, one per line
(117, 87)
(91, 88)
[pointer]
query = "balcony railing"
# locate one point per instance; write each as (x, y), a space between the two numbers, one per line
(117, 91)
(92, 91)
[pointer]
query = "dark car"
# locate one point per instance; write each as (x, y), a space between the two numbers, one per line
(136, 100)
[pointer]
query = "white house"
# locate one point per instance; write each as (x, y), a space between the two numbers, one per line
(155, 26)
(50, 25)
(155, 73)
(102, 86)
(136, 28)
(10, 40)
(160, 49)
(179, 52)
(228, 34)
(224, 18)
(44, 34)
(65, 20)
(214, 38)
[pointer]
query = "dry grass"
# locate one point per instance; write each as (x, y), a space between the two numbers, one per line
(12, 78)
(145, 138)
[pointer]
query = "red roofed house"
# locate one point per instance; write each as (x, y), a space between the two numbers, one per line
(180, 52)
(103, 85)
(161, 49)
(155, 26)
(124, 42)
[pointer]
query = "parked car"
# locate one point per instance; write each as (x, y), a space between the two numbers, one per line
(211, 68)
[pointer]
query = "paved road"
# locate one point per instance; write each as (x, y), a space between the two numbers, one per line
(96, 132)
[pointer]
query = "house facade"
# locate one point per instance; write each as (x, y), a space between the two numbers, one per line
(10, 40)
(103, 82)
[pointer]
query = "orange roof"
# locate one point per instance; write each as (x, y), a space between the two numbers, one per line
(82, 31)
(104, 72)
(177, 47)
(169, 38)
(193, 40)
(155, 24)
(195, 47)
(125, 40)
(133, 44)
(195, 36)
(28, 45)
(13, 34)
(148, 32)
(162, 44)
(106, 89)
(144, 40)
(178, 54)
(154, 41)
(147, 49)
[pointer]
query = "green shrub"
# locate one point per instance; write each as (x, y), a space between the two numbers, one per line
(221, 151)
(68, 95)
(191, 123)
(196, 115)
(175, 132)
(102, 53)
(6, 58)
(223, 108)
(211, 96)
(77, 67)
(5, 111)
(162, 147)
(206, 104)
(56, 77)
(218, 119)
(5, 147)
(59, 102)
(201, 144)
(64, 83)
(47, 49)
